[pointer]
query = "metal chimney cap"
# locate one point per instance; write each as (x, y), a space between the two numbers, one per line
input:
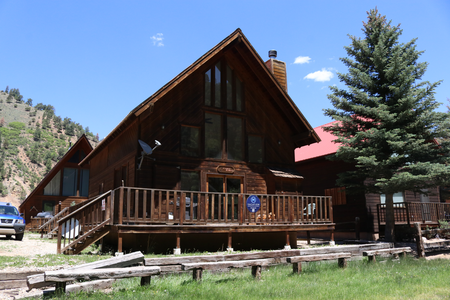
(272, 53)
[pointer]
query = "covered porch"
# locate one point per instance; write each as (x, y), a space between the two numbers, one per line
(129, 211)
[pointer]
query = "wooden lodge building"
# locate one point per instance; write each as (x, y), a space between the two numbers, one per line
(66, 184)
(179, 171)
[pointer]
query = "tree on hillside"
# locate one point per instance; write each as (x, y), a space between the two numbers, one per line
(7, 89)
(29, 102)
(387, 123)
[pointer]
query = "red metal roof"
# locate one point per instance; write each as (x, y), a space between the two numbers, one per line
(325, 147)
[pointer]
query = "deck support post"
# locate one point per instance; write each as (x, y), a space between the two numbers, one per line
(230, 243)
(308, 237)
(119, 243)
(288, 244)
(177, 250)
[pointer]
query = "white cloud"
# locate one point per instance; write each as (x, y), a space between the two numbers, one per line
(321, 76)
(158, 40)
(302, 60)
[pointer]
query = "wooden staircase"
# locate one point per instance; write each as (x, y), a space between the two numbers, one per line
(84, 226)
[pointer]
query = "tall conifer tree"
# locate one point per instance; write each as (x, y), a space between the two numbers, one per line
(388, 125)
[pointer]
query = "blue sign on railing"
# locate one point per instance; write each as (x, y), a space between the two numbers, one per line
(253, 203)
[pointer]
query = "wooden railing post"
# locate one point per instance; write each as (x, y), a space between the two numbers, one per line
(111, 210)
(182, 207)
(408, 219)
(121, 192)
(241, 209)
(58, 245)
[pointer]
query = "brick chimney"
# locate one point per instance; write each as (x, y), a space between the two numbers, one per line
(278, 68)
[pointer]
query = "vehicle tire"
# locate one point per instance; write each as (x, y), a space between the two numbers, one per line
(19, 237)
(8, 237)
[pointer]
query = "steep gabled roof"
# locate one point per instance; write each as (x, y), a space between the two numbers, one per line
(325, 147)
(239, 42)
(82, 143)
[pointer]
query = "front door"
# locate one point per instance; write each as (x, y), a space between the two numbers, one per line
(222, 207)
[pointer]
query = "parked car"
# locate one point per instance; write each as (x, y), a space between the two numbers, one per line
(11, 222)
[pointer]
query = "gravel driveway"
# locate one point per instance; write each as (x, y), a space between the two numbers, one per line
(31, 245)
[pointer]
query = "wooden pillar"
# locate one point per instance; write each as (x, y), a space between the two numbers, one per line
(308, 237)
(297, 268)
(256, 272)
(146, 280)
(419, 241)
(178, 240)
(342, 262)
(197, 274)
(331, 236)
(288, 243)
(119, 243)
(230, 242)
(60, 288)
(177, 250)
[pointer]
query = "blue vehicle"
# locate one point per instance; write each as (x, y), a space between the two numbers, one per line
(11, 222)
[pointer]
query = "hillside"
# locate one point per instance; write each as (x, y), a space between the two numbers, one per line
(32, 140)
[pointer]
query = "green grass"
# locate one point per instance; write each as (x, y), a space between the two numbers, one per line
(410, 279)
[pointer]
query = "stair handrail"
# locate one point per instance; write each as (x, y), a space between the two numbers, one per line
(84, 206)
(51, 220)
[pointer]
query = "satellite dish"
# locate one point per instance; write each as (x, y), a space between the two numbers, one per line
(147, 150)
(145, 147)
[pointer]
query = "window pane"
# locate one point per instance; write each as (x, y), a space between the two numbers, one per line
(229, 88)
(53, 187)
(70, 182)
(239, 94)
(217, 93)
(208, 87)
(255, 149)
(213, 136)
(84, 183)
(190, 181)
(398, 197)
(234, 141)
(190, 141)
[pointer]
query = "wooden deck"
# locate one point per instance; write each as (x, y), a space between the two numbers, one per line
(409, 212)
(129, 210)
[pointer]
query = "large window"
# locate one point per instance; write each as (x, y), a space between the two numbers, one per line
(223, 88)
(190, 141)
(53, 187)
(213, 135)
(84, 183)
(235, 145)
(70, 177)
(190, 181)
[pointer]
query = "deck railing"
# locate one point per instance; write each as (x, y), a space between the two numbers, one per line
(410, 212)
(155, 206)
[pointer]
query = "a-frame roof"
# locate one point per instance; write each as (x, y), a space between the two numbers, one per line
(82, 143)
(239, 43)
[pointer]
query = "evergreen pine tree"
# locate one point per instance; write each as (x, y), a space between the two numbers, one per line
(387, 124)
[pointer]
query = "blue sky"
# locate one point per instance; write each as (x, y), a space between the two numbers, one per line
(94, 61)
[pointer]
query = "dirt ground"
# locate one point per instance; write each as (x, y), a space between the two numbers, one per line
(31, 245)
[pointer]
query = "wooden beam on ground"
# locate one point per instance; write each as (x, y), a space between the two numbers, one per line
(109, 273)
(37, 281)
